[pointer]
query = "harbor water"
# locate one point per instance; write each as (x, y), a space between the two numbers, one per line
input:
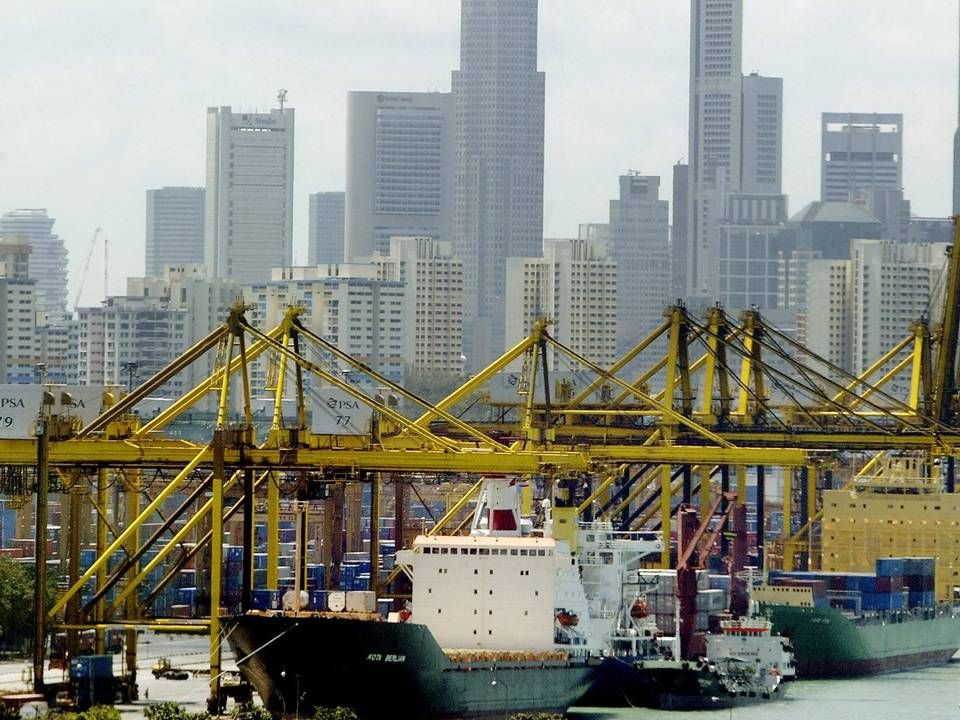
(929, 694)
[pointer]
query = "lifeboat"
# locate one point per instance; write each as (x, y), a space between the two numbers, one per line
(567, 619)
(639, 609)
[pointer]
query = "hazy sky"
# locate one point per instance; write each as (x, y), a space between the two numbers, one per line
(105, 99)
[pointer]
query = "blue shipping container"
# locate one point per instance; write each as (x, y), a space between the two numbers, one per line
(265, 599)
(91, 666)
(889, 567)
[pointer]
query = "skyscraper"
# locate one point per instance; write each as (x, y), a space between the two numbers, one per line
(716, 40)
(639, 244)
(325, 233)
(498, 185)
(249, 202)
(735, 136)
(762, 135)
(174, 228)
(399, 169)
(860, 151)
(48, 258)
(678, 228)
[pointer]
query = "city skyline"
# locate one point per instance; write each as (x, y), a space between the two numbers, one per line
(608, 109)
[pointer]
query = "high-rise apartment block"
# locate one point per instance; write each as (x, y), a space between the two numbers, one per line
(891, 289)
(129, 335)
(325, 231)
(345, 304)
(432, 282)
(57, 349)
(18, 318)
(825, 320)
(399, 169)
(860, 151)
(859, 308)
(498, 184)
(575, 285)
(174, 228)
(820, 230)
(151, 325)
(48, 260)
(249, 199)
(640, 247)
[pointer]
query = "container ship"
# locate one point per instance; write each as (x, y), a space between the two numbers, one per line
(847, 624)
(502, 620)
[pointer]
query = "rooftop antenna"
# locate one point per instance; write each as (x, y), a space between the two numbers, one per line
(281, 97)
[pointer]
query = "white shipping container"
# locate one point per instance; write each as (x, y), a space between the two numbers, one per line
(361, 601)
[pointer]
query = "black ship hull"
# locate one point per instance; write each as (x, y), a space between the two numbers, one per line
(383, 669)
(674, 686)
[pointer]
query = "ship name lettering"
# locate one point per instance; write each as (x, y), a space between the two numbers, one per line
(374, 657)
(395, 658)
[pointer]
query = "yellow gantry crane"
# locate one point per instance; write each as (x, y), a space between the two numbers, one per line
(718, 396)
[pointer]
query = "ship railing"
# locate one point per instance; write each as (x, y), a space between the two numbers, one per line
(599, 532)
(846, 600)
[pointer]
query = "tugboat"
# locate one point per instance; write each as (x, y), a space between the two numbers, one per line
(744, 663)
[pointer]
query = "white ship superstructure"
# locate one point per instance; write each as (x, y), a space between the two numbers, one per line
(508, 587)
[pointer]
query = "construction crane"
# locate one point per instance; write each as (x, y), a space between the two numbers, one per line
(86, 267)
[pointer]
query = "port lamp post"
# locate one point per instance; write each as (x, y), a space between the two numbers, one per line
(283, 674)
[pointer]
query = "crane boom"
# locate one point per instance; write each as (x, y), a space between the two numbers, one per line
(945, 381)
(86, 268)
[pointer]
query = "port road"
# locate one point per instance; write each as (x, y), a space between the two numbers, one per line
(191, 653)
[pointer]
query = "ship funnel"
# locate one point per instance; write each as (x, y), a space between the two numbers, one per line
(498, 509)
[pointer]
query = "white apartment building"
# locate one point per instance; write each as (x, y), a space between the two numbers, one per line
(858, 309)
(249, 193)
(57, 351)
(18, 317)
(399, 173)
(824, 322)
(345, 304)
(127, 340)
(891, 289)
(174, 228)
(575, 285)
(432, 281)
(150, 326)
(48, 261)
